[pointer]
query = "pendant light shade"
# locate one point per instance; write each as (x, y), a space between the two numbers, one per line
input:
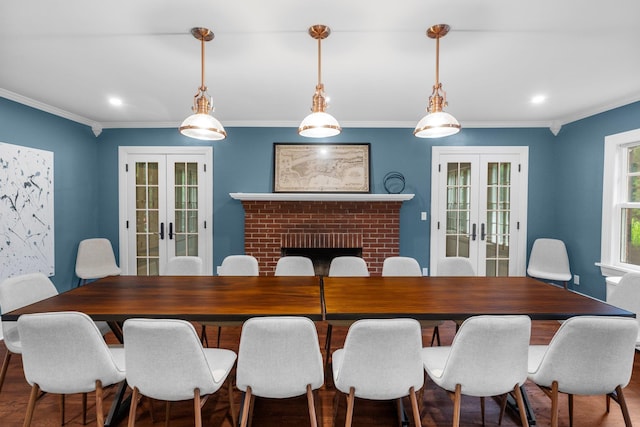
(437, 123)
(319, 124)
(202, 125)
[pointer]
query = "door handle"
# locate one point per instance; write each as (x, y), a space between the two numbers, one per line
(170, 231)
(482, 233)
(473, 232)
(162, 231)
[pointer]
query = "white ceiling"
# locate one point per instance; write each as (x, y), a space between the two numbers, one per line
(378, 66)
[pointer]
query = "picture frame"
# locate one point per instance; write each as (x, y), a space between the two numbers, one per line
(321, 168)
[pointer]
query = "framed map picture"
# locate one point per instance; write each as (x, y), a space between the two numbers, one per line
(318, 168)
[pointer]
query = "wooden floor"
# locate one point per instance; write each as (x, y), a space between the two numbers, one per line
(436, 404)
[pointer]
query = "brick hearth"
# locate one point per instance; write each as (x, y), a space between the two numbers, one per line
(270, 226)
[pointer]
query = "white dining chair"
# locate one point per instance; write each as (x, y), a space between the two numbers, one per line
(279, 358)
(95, 260)
(402, 266)
(294, 266)
(488, 357)
(588, 355)
(455, 266)
(64, 353)
(549, 261)
(166, 361)
(184, 266)
(627, 296)
(232, 265)
(380, 360)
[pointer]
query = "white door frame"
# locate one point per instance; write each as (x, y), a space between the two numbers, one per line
(123, 156)
(521, 188)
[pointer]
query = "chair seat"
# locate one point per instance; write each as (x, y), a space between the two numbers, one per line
(434, 359)
(220, 361)
(540, 274)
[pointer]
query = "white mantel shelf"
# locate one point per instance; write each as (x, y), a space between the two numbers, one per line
(322, 197)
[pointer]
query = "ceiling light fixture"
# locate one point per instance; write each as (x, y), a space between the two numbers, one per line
(319, 124)
(437, 123)
(202, 125)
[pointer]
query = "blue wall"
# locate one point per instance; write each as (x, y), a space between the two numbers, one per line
(565, 179)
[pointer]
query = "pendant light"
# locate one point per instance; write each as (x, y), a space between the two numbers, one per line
(202, 125)
(437, 123)
(319, 124)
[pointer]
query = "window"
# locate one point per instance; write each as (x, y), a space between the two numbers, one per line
(620, 252)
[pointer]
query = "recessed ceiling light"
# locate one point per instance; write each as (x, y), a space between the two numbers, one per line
(116, 102)
(538, 99)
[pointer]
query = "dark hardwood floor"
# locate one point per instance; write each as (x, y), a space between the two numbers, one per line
(436, 405)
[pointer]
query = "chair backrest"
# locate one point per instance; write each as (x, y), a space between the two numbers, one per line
(17, 292)
(549, 260)
(239, 265)
(348, 266)
(279, 356)
(401, 266)
(295, 266)
(589, 355)
(184, 266)
(64, 352)
(381, 359)
(165, 359)
(96, 259)
(627, 295)
(488, 355)
(455, 266)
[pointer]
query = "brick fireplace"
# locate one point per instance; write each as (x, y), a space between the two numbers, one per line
(364, 222)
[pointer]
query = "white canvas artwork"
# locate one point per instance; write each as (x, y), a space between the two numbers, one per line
(26, 211)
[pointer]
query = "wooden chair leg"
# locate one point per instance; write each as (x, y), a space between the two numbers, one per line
(350, 402)
(570, 399)
(482, 409)
(232, 405)
(436, 335)
(521, 408)
(245, 408)
(312, 407)
(5, 366)
(399, 411)
(417, 419)
(554, 404)
(167, 413)
(623, 406)
(62, 409)
(503, 407)
(35, 390)
(456, 405)
(99, 400)
(135, 397)
(197, 408)
(84, 409)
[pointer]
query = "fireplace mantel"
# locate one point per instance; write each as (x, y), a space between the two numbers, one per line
(322, 197)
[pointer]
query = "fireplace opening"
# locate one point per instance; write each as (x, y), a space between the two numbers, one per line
(321, 257)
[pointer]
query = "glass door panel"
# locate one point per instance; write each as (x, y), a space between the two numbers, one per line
(147, 219)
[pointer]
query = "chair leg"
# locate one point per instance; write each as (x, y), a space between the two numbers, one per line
(135, 397)
(503, 407)
(436, 335)
(520, 401)
(312, 407)
(5, 366)
(482, 409)
(350, 402)
(327, 347)
(554, 404)
(203, 336)
(197, 407)
(219, 333)
(35, 390)
(570, 399)
(623, 406)
(62, 409)
(417, 420)
(232, 406)
(245, 408)
(84, 409)
(99, 408)
(456, 405)
(167, 412)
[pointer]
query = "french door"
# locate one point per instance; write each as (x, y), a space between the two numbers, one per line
(479, 208)
(165, 207)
